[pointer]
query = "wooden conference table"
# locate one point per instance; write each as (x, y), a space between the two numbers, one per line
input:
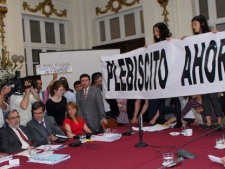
(122, 154)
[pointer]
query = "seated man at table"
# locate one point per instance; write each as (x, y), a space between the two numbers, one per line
(15, 137)
(43, 128)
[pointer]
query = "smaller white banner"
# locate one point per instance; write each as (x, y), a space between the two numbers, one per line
(51, 68)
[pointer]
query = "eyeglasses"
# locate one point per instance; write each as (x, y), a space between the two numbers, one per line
(13, 118)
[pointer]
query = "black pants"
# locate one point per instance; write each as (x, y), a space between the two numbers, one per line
(212, 97)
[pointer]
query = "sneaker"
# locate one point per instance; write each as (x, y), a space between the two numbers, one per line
(205, 127)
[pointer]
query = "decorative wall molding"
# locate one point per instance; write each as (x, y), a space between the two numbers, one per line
(163, 4)
(3, 1)
(46, 7)
(115, 6)
(3, 11)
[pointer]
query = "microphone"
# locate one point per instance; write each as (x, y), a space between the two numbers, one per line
(141, 143)
(173, 163)
(187, 154)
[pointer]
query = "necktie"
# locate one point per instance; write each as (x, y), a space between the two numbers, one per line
(85, 94)
(24, 138)
(43, 124)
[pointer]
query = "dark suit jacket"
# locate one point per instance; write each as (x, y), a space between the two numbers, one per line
(40, 133)
(9, 142)
(92, 109)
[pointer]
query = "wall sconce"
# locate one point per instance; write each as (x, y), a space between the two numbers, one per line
(7, 64)
(163, 4)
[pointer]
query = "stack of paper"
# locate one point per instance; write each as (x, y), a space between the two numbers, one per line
(5, 157)
(53, 147)
(48, 159)
(157, 127)
(106, 137)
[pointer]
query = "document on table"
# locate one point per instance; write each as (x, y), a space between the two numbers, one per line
(106, 137)
(25, 153)
(60, 136)
(5, 158)
(53, 147)
(214, 159)
(48, 159)
(157, 127)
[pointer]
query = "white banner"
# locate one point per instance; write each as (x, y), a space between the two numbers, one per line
(51, 68)
(195, 65)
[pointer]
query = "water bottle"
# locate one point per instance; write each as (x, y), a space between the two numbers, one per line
(183, 130)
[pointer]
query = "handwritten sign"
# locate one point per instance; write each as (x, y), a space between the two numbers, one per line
(51, 68)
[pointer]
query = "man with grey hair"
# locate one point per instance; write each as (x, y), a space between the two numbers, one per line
(15, 137)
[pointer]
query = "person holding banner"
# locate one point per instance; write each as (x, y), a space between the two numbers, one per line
(196, 103)
(200, 25)
(168, 112)
(139, 103)
(161, 33)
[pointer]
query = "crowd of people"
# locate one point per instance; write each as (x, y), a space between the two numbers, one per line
(34, 117)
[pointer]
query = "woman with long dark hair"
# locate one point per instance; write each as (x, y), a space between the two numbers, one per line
(56, 105)
(200, 25)
(161, 32)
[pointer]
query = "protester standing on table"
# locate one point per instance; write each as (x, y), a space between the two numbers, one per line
(200, 26)
(168, 108)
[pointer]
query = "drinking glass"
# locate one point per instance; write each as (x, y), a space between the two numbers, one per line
(47, 149)
(168, 158)
(82, 138)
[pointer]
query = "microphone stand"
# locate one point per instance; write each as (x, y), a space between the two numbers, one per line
(187, 154)
(141, 143)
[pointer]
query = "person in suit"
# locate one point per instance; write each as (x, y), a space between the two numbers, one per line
(90, 105)
(111, 105)
(15, 137)
(43, 127)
